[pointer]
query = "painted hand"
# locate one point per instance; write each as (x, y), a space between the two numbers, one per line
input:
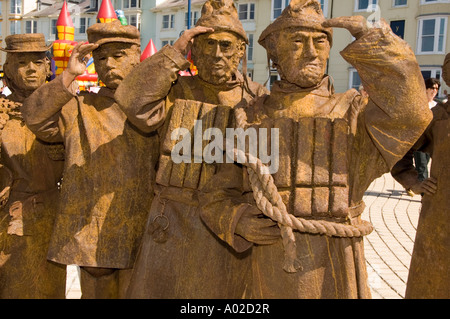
(184, 42)
(257, 228)
(356, 25)
(78, 59)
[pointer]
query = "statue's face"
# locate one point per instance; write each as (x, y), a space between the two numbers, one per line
(114, 60)
(217, 55)
(302, 56)
(27, 70)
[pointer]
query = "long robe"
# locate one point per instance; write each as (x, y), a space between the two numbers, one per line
(108, 178)
(188, 261)
(379, 134)
(27, 217)
(429, 272)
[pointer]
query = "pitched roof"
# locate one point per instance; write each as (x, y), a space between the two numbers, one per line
(52, 8)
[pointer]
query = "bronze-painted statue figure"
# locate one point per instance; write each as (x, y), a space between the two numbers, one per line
(107, 186)
(180, 257)
(331, 147)
(429, 273)
(30, 171)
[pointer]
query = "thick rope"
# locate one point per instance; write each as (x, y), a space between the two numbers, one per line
(269, 201)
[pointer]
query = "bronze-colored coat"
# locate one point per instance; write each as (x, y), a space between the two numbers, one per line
(429, 273)
(108, 177)
(190, 262)
(26, 221)
(378, 135)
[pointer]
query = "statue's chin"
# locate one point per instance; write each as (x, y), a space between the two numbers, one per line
(307, 81)
(215, 80)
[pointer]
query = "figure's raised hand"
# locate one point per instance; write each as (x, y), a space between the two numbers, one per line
(79, 59)
(185, 40)
(356, 25)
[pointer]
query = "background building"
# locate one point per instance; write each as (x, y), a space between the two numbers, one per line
(422, 23)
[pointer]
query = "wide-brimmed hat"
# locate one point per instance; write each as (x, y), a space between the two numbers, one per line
(299, 14)
(221, 15)
(28, 42)
(101, 33)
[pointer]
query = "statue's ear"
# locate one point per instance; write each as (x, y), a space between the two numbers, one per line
(242, 48)
(48, 68)
(8, 81)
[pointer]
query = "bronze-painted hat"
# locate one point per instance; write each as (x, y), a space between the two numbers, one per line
(101, 33)
(28, 42)
(301, 14)
(221, 15)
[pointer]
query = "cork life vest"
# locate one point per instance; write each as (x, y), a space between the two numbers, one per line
(313, 174)
(194, 172)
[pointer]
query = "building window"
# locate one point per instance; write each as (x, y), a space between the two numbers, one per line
(432, 72)
(433, 1)
(364, 5)
(134, 20)
(83, 26)
(400, 3)
(166, 42)
(94, 4)
(274, 76)
(278, 7)
(250, 47)
(246, 11)
(53, 27)
(355, 80)
(432, 35)
(168, 21)
(194, 19)
(16, 6)
(127, 4)
(14, 26)
(324, 5)
(30, 26)
(398, 27)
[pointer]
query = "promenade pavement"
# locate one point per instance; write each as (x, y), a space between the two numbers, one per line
(388, 248)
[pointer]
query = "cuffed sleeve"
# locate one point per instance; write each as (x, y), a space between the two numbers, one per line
(222, 202)
(397, 112)
(141, 95)
(221, 215)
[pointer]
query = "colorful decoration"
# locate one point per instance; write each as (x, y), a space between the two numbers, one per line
(89, 78)
(65, 43)
(192, 68)
(106, 12)
(149, 50)
(121, 17)
(62, 49)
